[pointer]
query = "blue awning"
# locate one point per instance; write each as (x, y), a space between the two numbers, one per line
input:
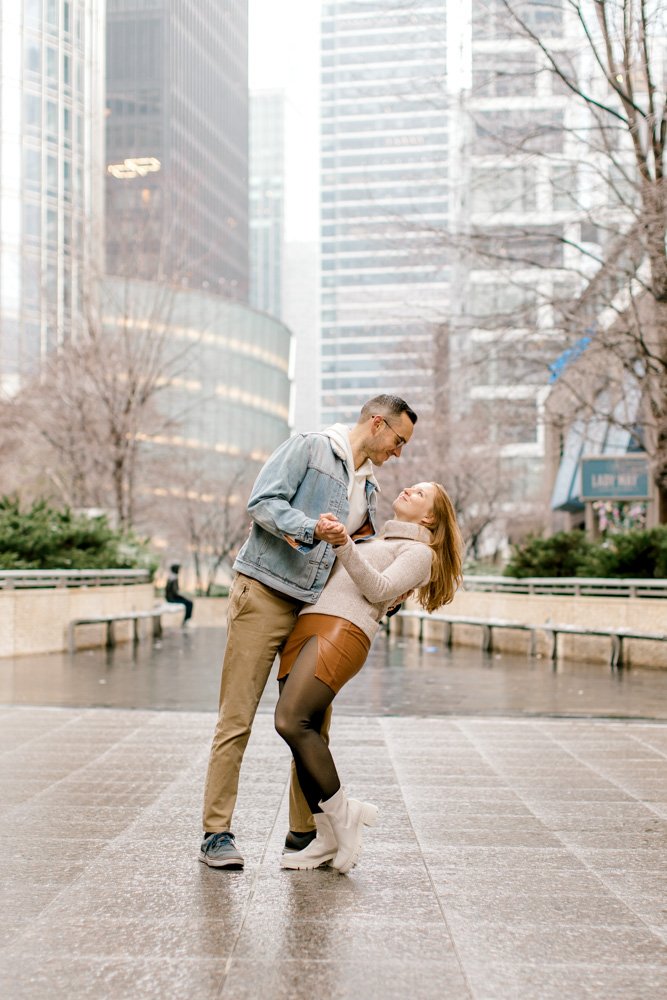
(569, 355)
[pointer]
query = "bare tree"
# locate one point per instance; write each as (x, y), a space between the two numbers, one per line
(93, 412)
(206, 515)
(456, 447)
(605, 252)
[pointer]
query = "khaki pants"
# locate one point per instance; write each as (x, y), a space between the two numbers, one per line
(259, 621)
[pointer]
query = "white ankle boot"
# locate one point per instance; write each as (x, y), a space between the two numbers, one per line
(320, 850)
(348, 818)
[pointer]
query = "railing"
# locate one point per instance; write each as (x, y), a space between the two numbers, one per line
(566, 585)
(15, 579)
(577, 586)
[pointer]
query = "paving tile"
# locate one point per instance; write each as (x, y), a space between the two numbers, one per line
(519, 942)
(517, 981)
(34, 978)
(502, 866)
(344, 980)
(502, 905)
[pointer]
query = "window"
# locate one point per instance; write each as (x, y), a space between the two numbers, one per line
(504, 301)
(534, 131)
(32, 222)
(52, 176)
(67, 126)
(52, 65)
(52, 121)
(503, 190)
(512, 74)
(32, 111)
(51, 227)
(32, 168)
(33, 55)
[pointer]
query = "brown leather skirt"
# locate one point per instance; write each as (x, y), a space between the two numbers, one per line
(342, 648)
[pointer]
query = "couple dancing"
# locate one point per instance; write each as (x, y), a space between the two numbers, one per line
(313, 581)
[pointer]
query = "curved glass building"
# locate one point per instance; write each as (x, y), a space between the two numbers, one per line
(224, 371)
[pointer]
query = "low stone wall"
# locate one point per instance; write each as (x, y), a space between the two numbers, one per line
(642, 614)
(35, 621)
(210, 612)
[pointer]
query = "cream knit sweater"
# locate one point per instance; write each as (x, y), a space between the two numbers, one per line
(369, 576)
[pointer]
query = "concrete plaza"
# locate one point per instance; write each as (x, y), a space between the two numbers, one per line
(515, 857)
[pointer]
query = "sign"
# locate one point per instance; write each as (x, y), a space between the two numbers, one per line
(618, 477)
(134, 166)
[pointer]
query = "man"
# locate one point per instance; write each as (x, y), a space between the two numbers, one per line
(173, 595)
(309, 480)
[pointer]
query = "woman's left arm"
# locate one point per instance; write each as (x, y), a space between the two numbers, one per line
(410, 569)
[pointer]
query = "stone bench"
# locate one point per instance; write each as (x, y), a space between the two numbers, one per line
(552, 631)
(155, 614)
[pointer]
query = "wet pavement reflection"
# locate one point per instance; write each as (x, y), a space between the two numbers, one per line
(401, 677)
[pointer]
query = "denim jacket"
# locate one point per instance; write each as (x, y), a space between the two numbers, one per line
(304, 478)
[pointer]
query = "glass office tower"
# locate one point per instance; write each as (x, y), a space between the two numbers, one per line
(177, 142)
(384, 198)
(51, 99)
(267, 200)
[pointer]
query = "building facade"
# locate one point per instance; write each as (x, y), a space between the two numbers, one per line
(51, 154)
(301, 314)
(267, 200)
(220, 406)
(177, 142)
(384, 200)
(522, 210)
(226, 374)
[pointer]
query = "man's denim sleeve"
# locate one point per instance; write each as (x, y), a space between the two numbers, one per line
(270, 503)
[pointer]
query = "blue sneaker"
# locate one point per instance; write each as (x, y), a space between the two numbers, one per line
(220, 851)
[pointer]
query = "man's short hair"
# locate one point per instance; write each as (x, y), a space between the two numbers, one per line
(386, 406)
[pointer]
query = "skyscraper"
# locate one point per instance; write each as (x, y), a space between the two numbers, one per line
(51, 143)
(177, 142)
(267, 200)
(384, 198)
(519, 191)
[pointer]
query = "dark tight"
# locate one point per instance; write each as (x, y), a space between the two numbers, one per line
(303, 701)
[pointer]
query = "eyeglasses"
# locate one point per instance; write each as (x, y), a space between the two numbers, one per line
(400, 441)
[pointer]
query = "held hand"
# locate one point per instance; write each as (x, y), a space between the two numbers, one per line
(399, 600)
(329, 529)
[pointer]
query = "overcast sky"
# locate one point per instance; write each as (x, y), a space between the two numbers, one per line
(284, 54)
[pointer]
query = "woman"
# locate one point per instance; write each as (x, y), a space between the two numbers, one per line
(420, 548)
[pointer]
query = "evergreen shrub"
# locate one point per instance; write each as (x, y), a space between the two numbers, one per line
(640, 554)
(45, 537)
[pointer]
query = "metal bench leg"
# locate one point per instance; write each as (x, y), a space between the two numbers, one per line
(421, 629)
(157, 626)
(448, 635)
(532, 649)
(616, 658)
(111, 638)
(135, 630)
(553, 643)
(487, 638)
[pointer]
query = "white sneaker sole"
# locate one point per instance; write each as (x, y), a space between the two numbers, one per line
(235, 863)
(305, 864)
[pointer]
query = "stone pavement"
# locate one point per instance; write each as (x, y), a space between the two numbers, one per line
(514, 858)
